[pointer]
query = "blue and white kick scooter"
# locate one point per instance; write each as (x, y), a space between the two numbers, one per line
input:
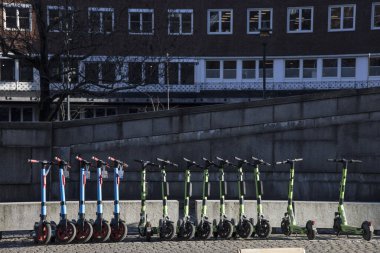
(65, 231)
(102, 229)
(83, 226)
(42, 232)
(118, 227)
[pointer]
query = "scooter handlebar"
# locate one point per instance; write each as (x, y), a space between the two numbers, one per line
(191, 163)
(290, 161)
(62, 162)
(343, 160)
(167, 162)
(225, 162)
(118, 161)
(146, 163)
(39, 161)
(82, 160)
(260, 161)
(209, 163)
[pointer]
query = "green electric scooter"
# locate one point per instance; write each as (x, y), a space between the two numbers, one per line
(204, 227)
(224, 228)
(288, 224)
(263, 229)
(185, 226)
(167, 229)
(244, 227)
(340, 221)
(145, 226)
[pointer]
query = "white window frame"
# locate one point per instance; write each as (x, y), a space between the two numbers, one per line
(259, 21)
(140, 11)
(341, 29)
(101, 10)
(373, 16)
(18, 6)
(60, 8)
(181, 11)
(220, 21)
(300, 18)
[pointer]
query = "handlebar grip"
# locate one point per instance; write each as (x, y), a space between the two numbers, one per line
(239, 159)
(95, 158)
(356, 161)
(279, 162)
(111, 158)
(298, 159)
(33, 161)
(58, 159)
(219, 159)
(79, 158)
(331, 160)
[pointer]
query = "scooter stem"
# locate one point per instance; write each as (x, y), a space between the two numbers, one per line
(341, 194)
(99, 207)
(204, 197)
(62, 183)
(164, 196)
(290, 194)
(241, 194)
(187, 197)
(258, 195)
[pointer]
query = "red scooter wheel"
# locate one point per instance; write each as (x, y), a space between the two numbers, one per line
(103, 234)
(84, 233)
(65, 234)
(43, 233)
(118, 233)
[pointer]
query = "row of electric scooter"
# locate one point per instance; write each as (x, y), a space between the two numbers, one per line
(100, 230)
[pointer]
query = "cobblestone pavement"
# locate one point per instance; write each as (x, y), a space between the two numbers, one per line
(323, 243)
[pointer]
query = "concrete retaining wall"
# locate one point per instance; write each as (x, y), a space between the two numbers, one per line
(321, 212)
(21, 216)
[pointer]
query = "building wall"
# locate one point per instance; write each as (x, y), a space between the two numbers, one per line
(315, 127)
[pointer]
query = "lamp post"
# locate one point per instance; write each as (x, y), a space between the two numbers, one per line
(265, 33)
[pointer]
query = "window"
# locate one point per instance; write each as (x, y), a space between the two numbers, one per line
(180, 73)
(348, 67)
(229, 69)
(249, 70)
(7, 70)
(27, 114)
(300, 19)
(4, 114)
(101, 20)
(135, 72)
(187, 73)
(151, 73)
(60, 18)
(15, 114)
(181, 22)
(342, 18)
(111, 111)
(100, 72)
(62, 68)
(259, 19)
(375, 16)
(309, 68)
(173, 73)
(220, 21)
(18, 16)
(374, 66)
(25, 71)
(292, 68)
(212, 69)
(140, 21)
(330, 68)
(268, 69)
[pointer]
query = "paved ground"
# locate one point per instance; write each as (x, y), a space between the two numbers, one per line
(324, 243)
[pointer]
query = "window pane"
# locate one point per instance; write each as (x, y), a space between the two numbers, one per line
(107, 22)
(109, 72)
(4, 114)
(15, 114)
(151, 73)
(7, 70)
(94, 21)
(330, 68)
(92, 72)
(226, 21)
(25, 71)
(147, 23)
(100, 112)
(376, 16)
(335, 18)
(89, 113)
(348, 12)
(214, 21)
(310, 69)
(174, 20)
(173, 73)
(229, 70)
(268, 69)
(292, 68)
(135, 72)
(306, 20)
(10, 17)
(72, 70)
(348, 67)
(54, 19)
(265, 19)
(134, 22)
(294, 20)
(212, 69)
(249, 70)
(24, 18)
(374, 67)
(55, 69)
(187, 73)
(254, 21)
(111, 111)
(27, 114)
(186, 22)
(348, 23)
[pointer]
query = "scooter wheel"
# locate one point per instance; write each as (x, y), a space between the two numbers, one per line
(65, 234)
(311, 231)
(118, 233)
(205, 231)
(167, 230)
(245, 229)
(189, 231)
(43, 233)
(214, 233)
(367, 230)
(285, 227)
(102, 235)
(84, 233)
(148, 235)
(226, 230)
(265, 229)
